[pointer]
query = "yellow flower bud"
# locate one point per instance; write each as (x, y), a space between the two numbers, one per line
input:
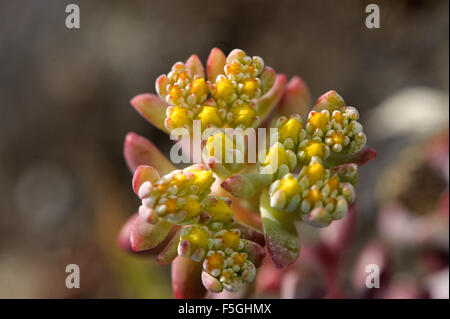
(312, 148)
(178, 117)
(210, 116)
(243, 116)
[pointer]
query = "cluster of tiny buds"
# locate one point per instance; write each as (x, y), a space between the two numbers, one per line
(228, 101)
(278, 162)
(221, 254)
(217, 212)
(339, 130)
(176, 197)
(339, 133)
(181, 88)
(209, 235)
(316, 195)
(241, 82)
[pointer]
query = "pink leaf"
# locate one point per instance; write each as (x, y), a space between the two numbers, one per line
(251, 233)
(145, 236)
(152, 108)
(365, 155)
(268, 101)
(143, 174)
(170, 251)
(296, 99)
(186, 279)
(215, 64)
(140, 151)
(255, 252)
(330, 101)
(242, 186)
(124, 241)
(194, 65)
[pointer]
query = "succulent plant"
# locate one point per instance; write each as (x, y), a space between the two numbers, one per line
(199, 216)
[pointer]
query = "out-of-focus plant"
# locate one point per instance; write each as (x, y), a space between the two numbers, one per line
(413, 219)
(211, 220)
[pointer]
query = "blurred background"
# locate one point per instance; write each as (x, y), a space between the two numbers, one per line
(64, 112)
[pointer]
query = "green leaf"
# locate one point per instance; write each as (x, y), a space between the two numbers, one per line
(282, 240)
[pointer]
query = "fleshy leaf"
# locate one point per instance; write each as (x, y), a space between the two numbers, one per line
(250, 233)
(255, 253)
(194, 65)
(246, 215)
(267, 102)
(152, 108)
(145, 236)
(215, 64)
(282, 239)
(243, 185)
(186, 279)
(211, 283)
(364, 156)
(124, 241)
(360, 158)
(143, 174)
(296, 99)
(330, 101)
(140, 151)
(170, 252)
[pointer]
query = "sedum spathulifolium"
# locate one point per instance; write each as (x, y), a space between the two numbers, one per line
(198, 218)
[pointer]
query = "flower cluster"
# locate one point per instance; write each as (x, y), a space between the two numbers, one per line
(227, 100)
(175, 197)
(307, 173)
(209, 236)
(224, 260)
(339, 130)
(315, 195)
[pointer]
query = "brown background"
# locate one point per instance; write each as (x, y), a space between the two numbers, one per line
(64, 110)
